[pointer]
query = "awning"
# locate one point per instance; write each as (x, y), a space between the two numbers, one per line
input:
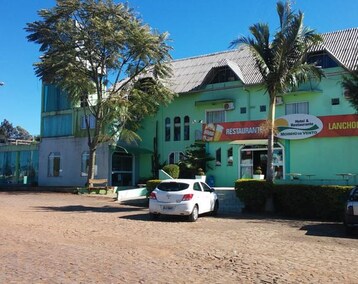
(250, 142)
(213, 102)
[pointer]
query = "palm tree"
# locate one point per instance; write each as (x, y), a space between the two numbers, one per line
(350, 83)
(281, 62)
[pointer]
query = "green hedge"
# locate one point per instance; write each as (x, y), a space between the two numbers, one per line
(253, 193)
(308, 201)
(151, 185)
(172, 170)
(298, 201)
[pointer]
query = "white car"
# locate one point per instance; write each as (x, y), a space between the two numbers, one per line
(183, 197)
(351, 212)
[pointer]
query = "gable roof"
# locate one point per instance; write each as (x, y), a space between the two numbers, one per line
(190, 73)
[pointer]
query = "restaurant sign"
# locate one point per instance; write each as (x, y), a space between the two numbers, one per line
(294, 126)
(298, 126)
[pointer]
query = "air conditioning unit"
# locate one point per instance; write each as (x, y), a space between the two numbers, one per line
(279, 100)
(229, 106)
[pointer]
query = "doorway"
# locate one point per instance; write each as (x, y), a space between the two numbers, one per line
(254, 156)
(122, 169)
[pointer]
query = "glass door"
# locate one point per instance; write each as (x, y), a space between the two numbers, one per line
(122, 169)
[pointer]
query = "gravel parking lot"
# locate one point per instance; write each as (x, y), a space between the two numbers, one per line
(66, 238)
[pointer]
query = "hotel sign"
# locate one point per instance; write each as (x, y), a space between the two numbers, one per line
(295, 126)
(298, 126)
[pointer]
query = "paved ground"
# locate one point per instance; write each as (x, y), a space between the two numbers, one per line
(66, 238)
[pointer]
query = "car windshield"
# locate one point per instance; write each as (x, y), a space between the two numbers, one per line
(173, 186)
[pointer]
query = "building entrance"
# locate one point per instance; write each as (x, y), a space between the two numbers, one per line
(253, 157)
(122, 169)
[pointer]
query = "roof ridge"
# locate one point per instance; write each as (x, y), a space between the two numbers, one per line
(340, 31)
(208, 54)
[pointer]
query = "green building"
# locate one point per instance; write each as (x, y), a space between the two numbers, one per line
(221, 103)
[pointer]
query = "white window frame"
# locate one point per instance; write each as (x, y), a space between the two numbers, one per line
(85, 164)
(51, 164)
(215, 110)
(296, 106)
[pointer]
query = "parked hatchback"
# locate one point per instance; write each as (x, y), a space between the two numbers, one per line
(351, 213)
(188, 197)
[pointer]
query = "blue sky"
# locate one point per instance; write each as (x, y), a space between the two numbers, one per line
(196, 27)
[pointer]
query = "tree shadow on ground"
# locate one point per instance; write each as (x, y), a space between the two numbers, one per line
(312, 227)
(334, 230)
(84, 209)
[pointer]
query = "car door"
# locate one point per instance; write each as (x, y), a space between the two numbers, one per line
(207, 198)
(199, 196)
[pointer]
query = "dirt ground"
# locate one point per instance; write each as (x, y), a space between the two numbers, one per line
(67, 238)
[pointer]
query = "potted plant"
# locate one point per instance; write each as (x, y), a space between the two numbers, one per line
(258, 173)
(200, 175)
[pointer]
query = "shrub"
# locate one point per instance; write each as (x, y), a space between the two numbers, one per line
(172, 170)
(151, 185)
(308, 201)
(253, 193)
(294, 200)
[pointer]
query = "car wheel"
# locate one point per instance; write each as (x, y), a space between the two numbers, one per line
(216, 208)
(153, 216)
(194, 214)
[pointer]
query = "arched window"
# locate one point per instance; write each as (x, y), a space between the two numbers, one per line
(175, 157)
(54, 164)
(186, 128)
(218, 157)
(167, 129)
(177, 128)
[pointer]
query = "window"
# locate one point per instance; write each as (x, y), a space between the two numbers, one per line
(335, 101)
(54, 99)
(206, 187)
(215, 116)
(177, 128)
(85, 164)
(262, 108)
(175, 157)
(91, 121)
(323, 60)
(57, 125)
(242, 109)
(294, 108)
(186, 128)
(167, 129)
(230, 158)
(223, 74)
(218, 157)
(196, 186)
(54, 164)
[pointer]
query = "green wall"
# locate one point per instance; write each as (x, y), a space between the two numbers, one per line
(323, 157)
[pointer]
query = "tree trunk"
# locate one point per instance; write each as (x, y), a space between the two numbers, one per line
(270, 139)
(91, 164)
